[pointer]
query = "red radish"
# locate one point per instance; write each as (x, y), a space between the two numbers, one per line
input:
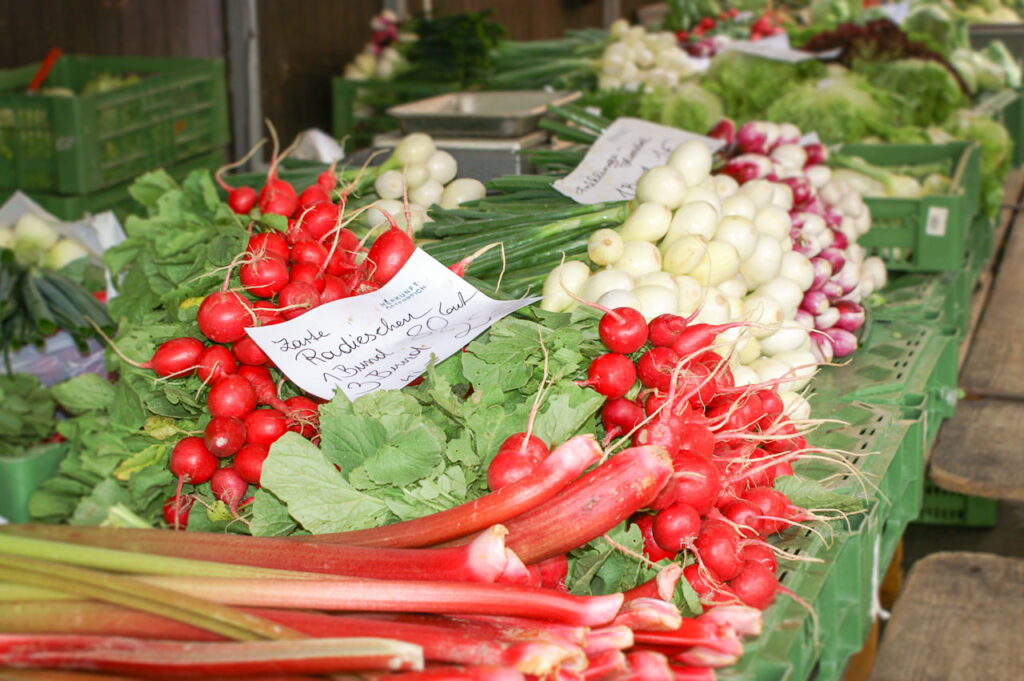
(724, 130)
(264, 275)
(666, 497)
(173, 358)
(696, 439)
(296, 234)
(261, 381)
(311, 195)
(231, 396)
(746, 515)
(319, 220)
(697, 337)
(774, 507)
(297, 297)
(215, 363)
(266, 313)
(676, 527)
(661, 433)
(516, 458)
(303, 416)
(390, 251)
(278, 197)
(364, 287)
(247, 352)
(309, 251)
(340, 261)
(611, 375)
(760, 554)
(718, 547)
(229, 487)
(192, 462)
(310, 273)
(652, 549)
(242, 199)
(623, 330)
(620, 416)
(655, 368)
(224, 435)
(268, 242)
(176, 510)
(699, 481)
(755, 585)
(335, 288)
(707, 584)
(327, 180)
(248, 463)
(223, 316)
(665, 329)
(264, 426)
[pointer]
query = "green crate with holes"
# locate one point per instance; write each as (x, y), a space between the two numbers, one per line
(940, 299)
(78, 135)
(927, 234)
(941, 507)
(910, 364)
(879, 443)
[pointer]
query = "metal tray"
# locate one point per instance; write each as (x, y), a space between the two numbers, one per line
(496, 113)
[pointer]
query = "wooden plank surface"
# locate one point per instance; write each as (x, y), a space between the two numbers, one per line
(994, 366)
(978, 451)
(959, 617)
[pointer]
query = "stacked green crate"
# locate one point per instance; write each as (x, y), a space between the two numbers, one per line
(928, 234)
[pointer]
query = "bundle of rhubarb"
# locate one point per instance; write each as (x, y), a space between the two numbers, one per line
(149, 603)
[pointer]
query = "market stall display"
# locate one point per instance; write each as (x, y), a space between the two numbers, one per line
(691, 455)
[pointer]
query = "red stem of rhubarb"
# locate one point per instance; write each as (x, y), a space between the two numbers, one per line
(649, 614)
(482, 560)
(682, 673)
(354, 594)
(563, 465)
(591, 505)
(449, 673)
(136, 656)
(604, 664)
(695, 632)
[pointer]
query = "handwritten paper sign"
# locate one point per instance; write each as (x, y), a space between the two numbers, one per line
(382, 340)
(776, 48)
(615, 162)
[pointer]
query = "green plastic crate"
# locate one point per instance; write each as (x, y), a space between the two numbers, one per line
(927, 234)
(359, 106)
(20, 476)
(72, 207)
(941, 299)
(940, 507)
(82, 143)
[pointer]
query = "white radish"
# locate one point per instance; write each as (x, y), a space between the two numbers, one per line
(416, 175)
(648, 222)
(602, 281)
(427, 194)
(764, 312)
(690, 293)
(698, 217)
(715, 309)
(569, 276)
(794, 405)
(662, 278)
(739, 204)
(656, 300)
(734, 286)
(773, 221)
(604, 246)
(739, 232)
(786, 293)
(662, 184)
(791, 335)
(414, 148)
(802, 367)
(462, 190)
(693, 160)
(725, 186)
(764, 263)
(442, 166)
(685, 254)
(639, 258)
(389, 184)
(619, 298)
(797, 268)
(758, 191)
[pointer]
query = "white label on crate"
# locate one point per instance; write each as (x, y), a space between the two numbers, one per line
(385, 339)
(615, 162)
(936, 223)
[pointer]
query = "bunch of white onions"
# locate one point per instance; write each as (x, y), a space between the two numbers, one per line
(426, 176)
(638, 60)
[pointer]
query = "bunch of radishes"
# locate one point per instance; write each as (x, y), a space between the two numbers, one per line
(638, 60)
(706, 247)
(380, 58)
(728, 444)
(827, 218)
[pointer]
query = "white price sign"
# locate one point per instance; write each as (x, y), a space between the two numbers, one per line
(382, 340)
(615, 162)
